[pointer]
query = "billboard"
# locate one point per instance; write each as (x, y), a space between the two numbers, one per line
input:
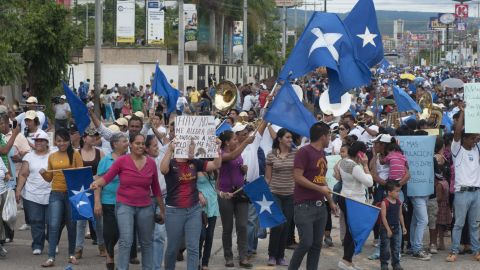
(125, 32)
(191, 27)
(155, 22)
(237, 40)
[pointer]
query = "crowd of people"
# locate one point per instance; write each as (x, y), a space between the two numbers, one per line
(145, 197)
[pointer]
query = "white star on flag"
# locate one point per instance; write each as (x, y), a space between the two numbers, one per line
(80, 203)
(264, 205)
(82, 189)
(325, 41)
(368, 37)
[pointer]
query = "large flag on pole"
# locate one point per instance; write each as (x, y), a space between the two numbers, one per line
(78, 108)
(78, 182)
(363, 26)
(161, 87)
(287, 111)
(269, 214)
(360, 218)
(326, 42)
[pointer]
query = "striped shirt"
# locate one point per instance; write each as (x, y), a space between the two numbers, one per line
(398, 165)
(282, 182)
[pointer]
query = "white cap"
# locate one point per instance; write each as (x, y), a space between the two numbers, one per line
(114, 128)
(385, 138)
(121, 121)
(40, 135)
(32, 100)
(243, 114)
(63, 97)
(238, 127)
(30, 115)
(139, 114)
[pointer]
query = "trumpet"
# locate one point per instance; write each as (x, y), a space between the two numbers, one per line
(26, 107)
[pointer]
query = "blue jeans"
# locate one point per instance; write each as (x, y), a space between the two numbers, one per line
(467, 202)
(390, 246)
(252, 228)
(159, 237)
(37, 216)
(183, 223)
(109, 115)
(310, 221)
(81, 224)
(419, 222)
(143, 218)
(59, 213)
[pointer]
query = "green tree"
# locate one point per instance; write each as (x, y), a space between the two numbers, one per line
(44, 35)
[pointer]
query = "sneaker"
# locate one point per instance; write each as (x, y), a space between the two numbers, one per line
(451, 257)
(271, 261)
(328, 241)
(374, 257)
(282, 262)
(433, 249)
(37, 251)
(345, 266)
(397, 267)
(422, 255)
(8, 240)
(24, 227)
(3, 252)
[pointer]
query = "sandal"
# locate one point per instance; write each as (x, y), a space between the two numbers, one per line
(451, 257)
(49, 263)
(72, 260)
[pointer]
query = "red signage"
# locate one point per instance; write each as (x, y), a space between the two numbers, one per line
(461, 11)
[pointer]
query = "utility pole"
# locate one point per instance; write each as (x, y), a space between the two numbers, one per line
(181, 47)
(245, 42)
(86, 21)
(295, 23)
(98, 53)
(284, 30)
(324, 5)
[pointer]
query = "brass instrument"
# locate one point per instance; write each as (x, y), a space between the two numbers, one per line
(225, 95)
(393, 120)
(431, 112)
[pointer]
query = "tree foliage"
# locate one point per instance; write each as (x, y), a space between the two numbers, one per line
(43, 35)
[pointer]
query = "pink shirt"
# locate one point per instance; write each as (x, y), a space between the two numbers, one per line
(398, 165)
(135, 186)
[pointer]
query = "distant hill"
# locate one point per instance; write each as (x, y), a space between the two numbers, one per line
(414, 21)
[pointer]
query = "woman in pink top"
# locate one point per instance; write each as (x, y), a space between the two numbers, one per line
(138, 179)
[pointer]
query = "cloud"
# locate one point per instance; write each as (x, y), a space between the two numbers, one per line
(342, 6)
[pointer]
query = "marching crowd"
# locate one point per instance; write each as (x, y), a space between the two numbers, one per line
(145, 197)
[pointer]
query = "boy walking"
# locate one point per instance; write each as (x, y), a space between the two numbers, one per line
(392, 219)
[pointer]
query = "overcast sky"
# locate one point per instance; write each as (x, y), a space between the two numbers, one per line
(400, 5)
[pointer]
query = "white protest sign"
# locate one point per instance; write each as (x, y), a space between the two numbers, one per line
(199, 128)
(471, 96)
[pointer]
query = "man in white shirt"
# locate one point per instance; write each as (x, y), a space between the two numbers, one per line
(62, 113)
(466, 158)
(32, 105)
(248, 101)
(182, 104)
(365, 130)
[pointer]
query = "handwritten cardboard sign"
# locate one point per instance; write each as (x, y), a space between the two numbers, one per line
(419, 152)
(199, 128)
(472, 109)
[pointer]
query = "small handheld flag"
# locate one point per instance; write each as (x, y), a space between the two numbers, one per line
(78, 182)
(287, 111)
(81, 203)
(269, 214)
(161, 87)
(360, 218)
(78, 108)
(224, 126)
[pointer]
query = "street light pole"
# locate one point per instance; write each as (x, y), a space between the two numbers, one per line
(245, 42)
(181, 47)
(98, 54)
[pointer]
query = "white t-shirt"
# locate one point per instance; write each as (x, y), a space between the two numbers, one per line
(336, 145)
(181, 101)
(362, 134)
(35, 134)
(248, 103)
(467, 165)
(250, 158)
(61, 110)
(267, 141)
(36, 188)
(21, 119)
(160, 129)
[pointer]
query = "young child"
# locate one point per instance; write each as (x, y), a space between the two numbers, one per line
(392, 219)
(396, 160)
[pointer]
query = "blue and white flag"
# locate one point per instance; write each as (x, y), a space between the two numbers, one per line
(325, 42)
(224, 126)
(82, 205)
(403, 101)
(78, 108)
(363, 26)
(269, 214)
(78, 182)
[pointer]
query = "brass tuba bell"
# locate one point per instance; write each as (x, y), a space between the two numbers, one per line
(431, 112)
(225, 95)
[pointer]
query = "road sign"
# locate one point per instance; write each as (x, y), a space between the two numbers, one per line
(461, 11)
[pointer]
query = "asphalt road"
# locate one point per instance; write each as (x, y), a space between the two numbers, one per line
(20, 256)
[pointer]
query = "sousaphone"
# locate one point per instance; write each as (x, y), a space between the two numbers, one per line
(225, 95)
(337, 109)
